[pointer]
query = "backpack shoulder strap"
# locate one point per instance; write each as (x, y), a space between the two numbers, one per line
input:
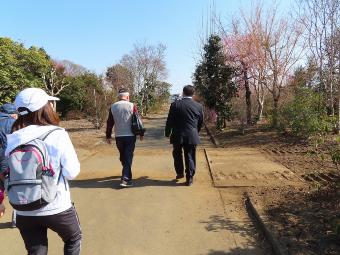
(3, 140)
(45, 135)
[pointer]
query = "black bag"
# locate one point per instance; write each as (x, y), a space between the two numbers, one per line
(137, 125)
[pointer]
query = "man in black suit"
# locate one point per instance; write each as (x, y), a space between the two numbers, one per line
(184, 122)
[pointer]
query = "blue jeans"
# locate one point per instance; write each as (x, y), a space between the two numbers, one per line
(126, 147)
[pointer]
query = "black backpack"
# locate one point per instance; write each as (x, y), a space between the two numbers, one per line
(137, 126)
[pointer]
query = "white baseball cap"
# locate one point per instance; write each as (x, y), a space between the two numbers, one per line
(33, 99)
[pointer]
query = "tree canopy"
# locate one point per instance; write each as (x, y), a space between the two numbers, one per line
(20, 67)
(213, 80)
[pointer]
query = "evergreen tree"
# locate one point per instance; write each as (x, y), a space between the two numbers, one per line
(20, 68)
(213, 80)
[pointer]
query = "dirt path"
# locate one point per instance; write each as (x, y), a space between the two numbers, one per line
(157, 215)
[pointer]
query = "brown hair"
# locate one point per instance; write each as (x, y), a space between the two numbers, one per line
(43, 117)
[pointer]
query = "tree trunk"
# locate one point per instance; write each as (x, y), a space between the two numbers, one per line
(225, 123)
(276, 96)
(338, 122)
(54, 106)
(332, 110)
(146, 104)
(248, 102)
(219, 123)
(275, 111)
(142, 111)
(260, 108)
(248, 94)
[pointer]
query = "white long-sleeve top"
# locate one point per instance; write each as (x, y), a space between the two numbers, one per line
(62, 158)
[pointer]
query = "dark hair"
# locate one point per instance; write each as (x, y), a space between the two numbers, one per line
(43, 117)
(188, 90)
(122, 90)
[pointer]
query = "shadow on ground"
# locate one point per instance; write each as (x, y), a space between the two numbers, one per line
(305, 221)
(80, 129)
(236, 251)
(154, 138)
(4, 225)
(215, 223)
(114, 181)
(162, 118)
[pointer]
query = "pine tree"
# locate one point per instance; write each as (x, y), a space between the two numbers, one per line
(213, 80)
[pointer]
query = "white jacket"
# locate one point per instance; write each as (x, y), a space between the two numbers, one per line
(61, 153)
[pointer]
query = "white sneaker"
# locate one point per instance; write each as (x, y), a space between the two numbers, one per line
(126, 184)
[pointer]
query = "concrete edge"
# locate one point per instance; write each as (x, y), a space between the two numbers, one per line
(209, 167)
(212, 137)
(270, 237)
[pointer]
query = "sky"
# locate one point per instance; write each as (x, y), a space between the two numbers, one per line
(96, 34)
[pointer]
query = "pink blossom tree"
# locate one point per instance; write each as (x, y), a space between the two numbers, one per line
(239, 53)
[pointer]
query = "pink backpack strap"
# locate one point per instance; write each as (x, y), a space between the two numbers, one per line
(2, 195)
(134, 109)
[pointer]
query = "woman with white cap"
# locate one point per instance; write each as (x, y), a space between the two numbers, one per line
(36, 118)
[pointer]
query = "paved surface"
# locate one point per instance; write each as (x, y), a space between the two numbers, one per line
(156, 216)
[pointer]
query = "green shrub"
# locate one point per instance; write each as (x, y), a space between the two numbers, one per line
(305, 115)
(335, 155)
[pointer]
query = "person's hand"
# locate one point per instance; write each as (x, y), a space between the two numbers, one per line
(167, 132)
(2, 210)
(141, 138)
(14, 116)
(109, 140)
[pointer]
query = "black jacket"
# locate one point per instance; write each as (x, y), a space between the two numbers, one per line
(184, 122)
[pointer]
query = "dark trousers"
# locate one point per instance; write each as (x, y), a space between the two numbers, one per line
(189, 159)
(126, 147)
(33, 230)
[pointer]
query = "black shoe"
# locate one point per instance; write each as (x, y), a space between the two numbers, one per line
(179, 176)
(189, 181)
